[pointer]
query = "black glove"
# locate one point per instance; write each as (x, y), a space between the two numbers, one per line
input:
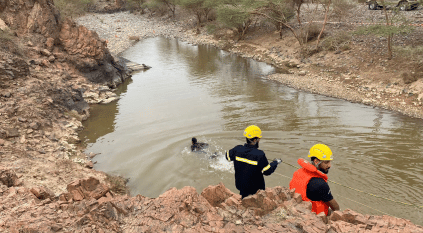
(274, 164)
(278, 160)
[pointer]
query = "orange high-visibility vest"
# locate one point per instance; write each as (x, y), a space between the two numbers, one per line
(300, 181)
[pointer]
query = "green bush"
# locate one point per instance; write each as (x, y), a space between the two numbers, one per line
(155, 8)
(72, 8)
(135, 5)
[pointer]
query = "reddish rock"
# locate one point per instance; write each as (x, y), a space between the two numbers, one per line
(104, 199)
(45, 63)
(353, 217)
(73, 186)
(216, 194)
(233, 201)
(297, 197)
(50, 43)
(89, 165)
(77, 195)
(89, 184)
(100, 191)
(45, 52)
(1, 142)
(336, 216)
(292, 192)
(323, 217)
(42, 193)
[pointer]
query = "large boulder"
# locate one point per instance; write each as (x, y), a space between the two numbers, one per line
(217, 194)
(31, 16)
(89, 188)
(89, 54)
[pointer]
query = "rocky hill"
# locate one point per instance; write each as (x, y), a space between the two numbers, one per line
(50, 69)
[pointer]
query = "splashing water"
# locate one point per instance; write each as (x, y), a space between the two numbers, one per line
(214, 155)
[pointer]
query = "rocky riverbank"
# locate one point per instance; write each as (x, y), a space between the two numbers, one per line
(359, 74)
(88, 206)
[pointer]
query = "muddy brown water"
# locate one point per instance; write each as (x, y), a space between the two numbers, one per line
(203, 92)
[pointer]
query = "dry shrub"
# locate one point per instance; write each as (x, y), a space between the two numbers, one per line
(65, 164)
(340, 41)
(308, 51)
(309, 32)
(156, 8)
(409, 77)
(342, 8)
(10, 43)
(117, 184)
(73, 8)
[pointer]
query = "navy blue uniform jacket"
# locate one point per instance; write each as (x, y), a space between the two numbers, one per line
(250, 165)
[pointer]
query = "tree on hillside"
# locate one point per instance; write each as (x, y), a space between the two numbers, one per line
(279, 12)
(200, 8)
(236, 14)
(170, 4)
(326, 4)
(297, 4)
(395, 24)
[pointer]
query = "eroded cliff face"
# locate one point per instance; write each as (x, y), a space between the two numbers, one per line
(89, 206)
(40, 23)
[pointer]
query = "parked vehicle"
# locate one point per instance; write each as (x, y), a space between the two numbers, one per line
(403, 5)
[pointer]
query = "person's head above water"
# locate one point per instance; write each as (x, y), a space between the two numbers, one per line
(194, 140)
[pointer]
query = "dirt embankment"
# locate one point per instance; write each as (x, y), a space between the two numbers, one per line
(49, 70)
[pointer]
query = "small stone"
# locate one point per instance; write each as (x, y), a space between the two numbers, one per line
(1, 142)
(34, 125)
(51, 58)
(89, 165)
(45, 63)
(12, 133)
(297, 197)
(45, 52)
(49, 43)
(6, 94)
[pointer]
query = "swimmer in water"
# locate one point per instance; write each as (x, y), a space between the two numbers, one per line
(197, 146)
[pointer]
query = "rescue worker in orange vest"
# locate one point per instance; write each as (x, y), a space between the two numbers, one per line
(311, 180)
(250, 163)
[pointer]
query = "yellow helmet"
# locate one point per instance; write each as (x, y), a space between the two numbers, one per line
(320, 151)
(252, 131)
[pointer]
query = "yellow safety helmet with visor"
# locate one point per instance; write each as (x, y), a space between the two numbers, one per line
(320, 151)
(252, 131)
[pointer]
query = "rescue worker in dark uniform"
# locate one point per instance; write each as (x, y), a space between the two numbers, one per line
(250, 163)
(311, 180)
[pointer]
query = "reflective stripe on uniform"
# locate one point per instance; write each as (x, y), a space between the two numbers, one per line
(227, 156)
(246, 160)
(265, 168)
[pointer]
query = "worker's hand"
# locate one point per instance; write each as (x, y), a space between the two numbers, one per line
(278, 160)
